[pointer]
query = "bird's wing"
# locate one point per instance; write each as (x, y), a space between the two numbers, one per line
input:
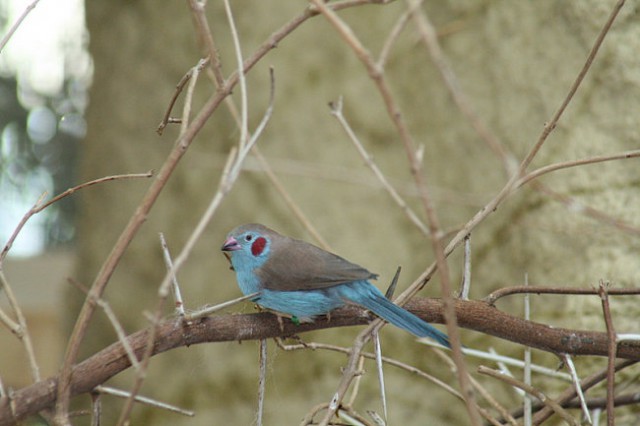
(297, 265)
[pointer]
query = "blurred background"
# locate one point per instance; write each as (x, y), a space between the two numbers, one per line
(82, 92)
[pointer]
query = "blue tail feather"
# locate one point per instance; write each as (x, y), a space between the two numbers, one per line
(394, 314)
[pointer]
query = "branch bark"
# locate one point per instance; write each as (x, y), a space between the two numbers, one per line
(174, 333)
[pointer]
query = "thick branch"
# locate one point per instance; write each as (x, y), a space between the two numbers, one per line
(173, 333)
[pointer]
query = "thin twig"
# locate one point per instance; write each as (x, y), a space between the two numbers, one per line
(115, 323)
(176, 93)
(466, 276)
(185, 119)
(502, 359)
(211, 309)
(508, 291)
(629, 337)
(568, 361)
(585, 384)
(244, 104)
(107, 390)
(377, 348)
(429, 37)
(288, 199)
(611, 358)
(576, 206)
(174, 280)
(390, 361)
(96, 408)
(262, 381)
(527, 359)
(21, 330)
(336, 111)
(39, 205)
(480, 389)
(17, 24)
(400, 24)
(204, 32)
(596, 404)
(504, 369)
(532, 391)
(359, 374)
(575, 163)
(279, 186)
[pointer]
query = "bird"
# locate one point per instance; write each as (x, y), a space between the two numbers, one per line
(304, 281)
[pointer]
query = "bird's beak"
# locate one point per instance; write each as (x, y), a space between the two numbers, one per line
(231, 244)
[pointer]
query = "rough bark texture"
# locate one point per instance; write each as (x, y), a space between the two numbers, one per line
(515, 61)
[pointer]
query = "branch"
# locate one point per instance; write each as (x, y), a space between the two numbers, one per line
(174, 333)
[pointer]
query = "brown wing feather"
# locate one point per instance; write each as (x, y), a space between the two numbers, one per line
(297, 265)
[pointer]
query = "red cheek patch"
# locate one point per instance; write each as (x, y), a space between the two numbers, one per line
(258, 246)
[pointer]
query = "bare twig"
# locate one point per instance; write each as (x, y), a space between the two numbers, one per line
(107, 390)
(504, 369)
(429, 37)
(585, 384)
(501, 359)
(576, 163)
(355, 389)
(194, 71)
(508, 291)
(96, 408)
(378, 352)
(527, 358)
(627, 337)
(20, 329)
(262, 381)
(206, 37)
(185, 119)
(176, 287)
(39, 205)
(336, 111)
(115, 323)
(466, 276)
(576, 206)
(568, 361)
(480, 389)
(17, 24)
(532, 391)
(244, 103)
(279, 186)
(211, 309)
(611, 358)
(551, 125)
(401, 23)
(390, 361)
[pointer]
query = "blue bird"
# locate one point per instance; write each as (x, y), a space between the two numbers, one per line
(304, 281)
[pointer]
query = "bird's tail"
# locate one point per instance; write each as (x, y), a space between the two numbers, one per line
(396, 315)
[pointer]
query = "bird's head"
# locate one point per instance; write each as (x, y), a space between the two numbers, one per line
(248, 246)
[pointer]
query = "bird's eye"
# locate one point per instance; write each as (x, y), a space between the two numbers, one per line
(248, 237)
